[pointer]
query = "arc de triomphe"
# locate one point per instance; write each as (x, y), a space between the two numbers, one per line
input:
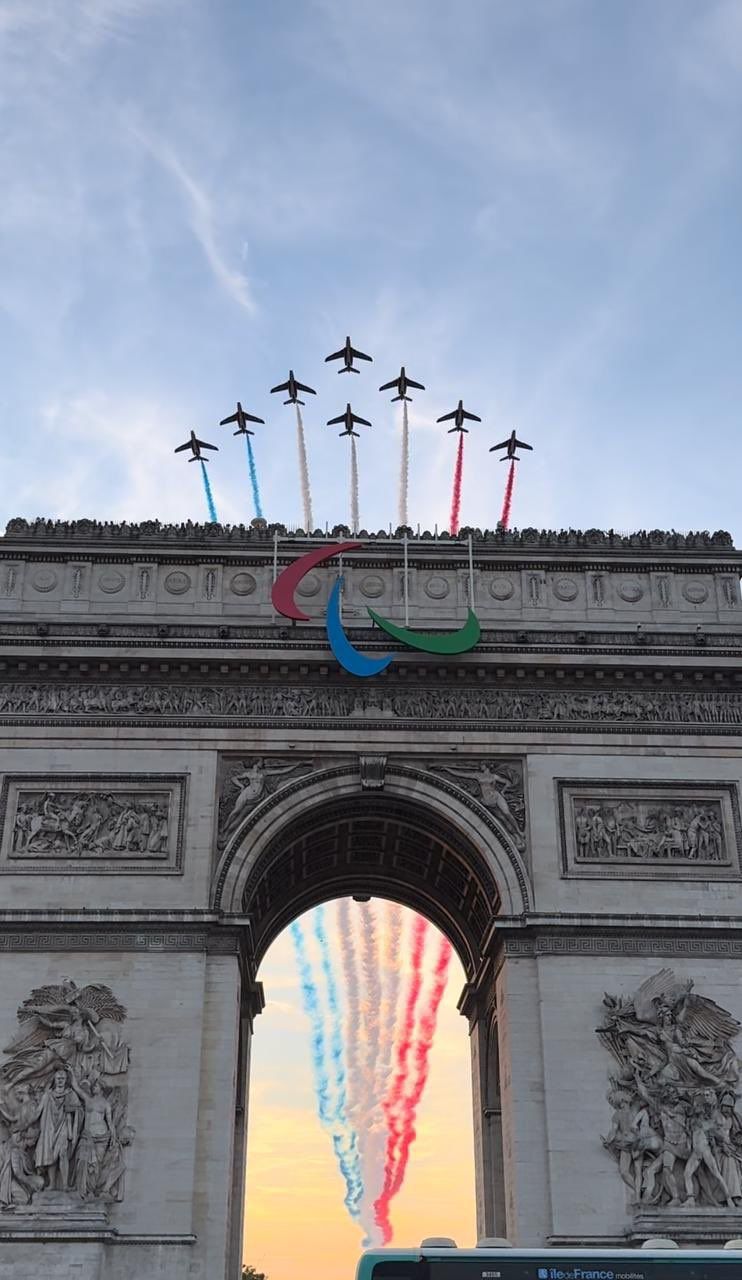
(183, 771)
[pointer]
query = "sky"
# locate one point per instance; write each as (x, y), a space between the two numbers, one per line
(533, 206)
(294, 1189)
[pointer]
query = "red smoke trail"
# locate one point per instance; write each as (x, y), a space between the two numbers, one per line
(423, 1045)
(507, 501)
(456, 495)
(396, 1092)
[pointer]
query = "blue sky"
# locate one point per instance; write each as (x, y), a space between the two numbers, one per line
(534, 205)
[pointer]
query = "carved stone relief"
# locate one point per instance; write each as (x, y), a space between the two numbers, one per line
(676, 1131)
(496, 784)
(104, 824)
(245, 783)
(63, 1101)
(687, 830)
(510, 708)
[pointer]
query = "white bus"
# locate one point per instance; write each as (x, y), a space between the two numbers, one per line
(436, 1260)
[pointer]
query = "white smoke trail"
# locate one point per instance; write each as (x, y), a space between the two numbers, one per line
(404, 469)
(306, 495)
(373, 1123)
(354, 521)
(353, 1027)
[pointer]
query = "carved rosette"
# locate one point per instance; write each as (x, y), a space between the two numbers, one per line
(676, 1131)
(63, 1102)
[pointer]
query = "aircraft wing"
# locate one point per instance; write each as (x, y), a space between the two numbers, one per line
(336, 355)
(204, 444)
(521, 444)
(331, 421)
(363, 421)
(471, 416)
(181, 447)
(447, 417)
(300, 387)
(234, 418)
(418, 385)
(360, 355)
(502, 445)
(394, 383)
(282, 386)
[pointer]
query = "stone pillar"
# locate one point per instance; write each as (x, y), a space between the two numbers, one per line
(524, 1132)
(253, 1002)
(489, 1171)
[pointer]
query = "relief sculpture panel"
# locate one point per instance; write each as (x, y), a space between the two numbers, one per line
(650, 830)
(63, 1101)
(676, 1131)
(88, 823)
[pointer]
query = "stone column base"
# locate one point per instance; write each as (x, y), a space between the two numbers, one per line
(688, 1226)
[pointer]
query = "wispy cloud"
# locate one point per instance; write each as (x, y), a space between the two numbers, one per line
(201, 214)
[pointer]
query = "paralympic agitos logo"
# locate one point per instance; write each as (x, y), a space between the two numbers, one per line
(357, 663)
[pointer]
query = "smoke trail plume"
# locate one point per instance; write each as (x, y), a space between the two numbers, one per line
(507, 501)
(456, 495)
(345, 1135)
(421, 1062)
(209, 495)
(354, 520)
(306, 494)
(404, 468)
(353, 1025)
(328, 1112)
(394, 1100)
(254, 478)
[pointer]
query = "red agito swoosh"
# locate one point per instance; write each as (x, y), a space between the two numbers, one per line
(282, 593)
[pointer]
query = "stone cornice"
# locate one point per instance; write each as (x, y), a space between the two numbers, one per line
(100, 930)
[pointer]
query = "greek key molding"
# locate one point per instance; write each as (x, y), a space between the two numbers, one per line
(648, 944)
(39, 940)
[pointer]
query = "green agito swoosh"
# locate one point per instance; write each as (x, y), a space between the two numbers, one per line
(449, 642)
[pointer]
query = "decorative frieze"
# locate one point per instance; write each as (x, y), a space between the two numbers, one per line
(650, 830)
(561, 710)
(96, 823)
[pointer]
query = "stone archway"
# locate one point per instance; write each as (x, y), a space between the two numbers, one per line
(412, 837)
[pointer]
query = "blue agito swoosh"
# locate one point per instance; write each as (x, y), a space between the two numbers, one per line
(353, 661)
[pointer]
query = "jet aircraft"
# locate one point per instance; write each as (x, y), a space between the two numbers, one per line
(349, 418)
(293, 387)
(196, 445)
(241, 417)
(457, 417)
(348, 354)
(510, 445)
(402, 383)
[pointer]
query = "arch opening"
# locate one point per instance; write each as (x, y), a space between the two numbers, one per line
(378, 845)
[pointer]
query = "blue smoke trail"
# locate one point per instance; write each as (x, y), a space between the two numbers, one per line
(209, 495)
(327, 1113)
(254, 478)
(338, 1058)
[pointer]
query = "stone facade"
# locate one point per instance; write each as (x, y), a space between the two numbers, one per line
(181, 771)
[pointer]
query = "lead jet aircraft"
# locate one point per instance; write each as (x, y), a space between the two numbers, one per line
(293, 387)
(348, 354)
(241, 417)
(402, 383)
(349, 418)
(510, 445)
(196, 445)
(458, 415)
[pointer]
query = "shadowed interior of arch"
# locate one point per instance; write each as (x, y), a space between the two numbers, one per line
(375, 844)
